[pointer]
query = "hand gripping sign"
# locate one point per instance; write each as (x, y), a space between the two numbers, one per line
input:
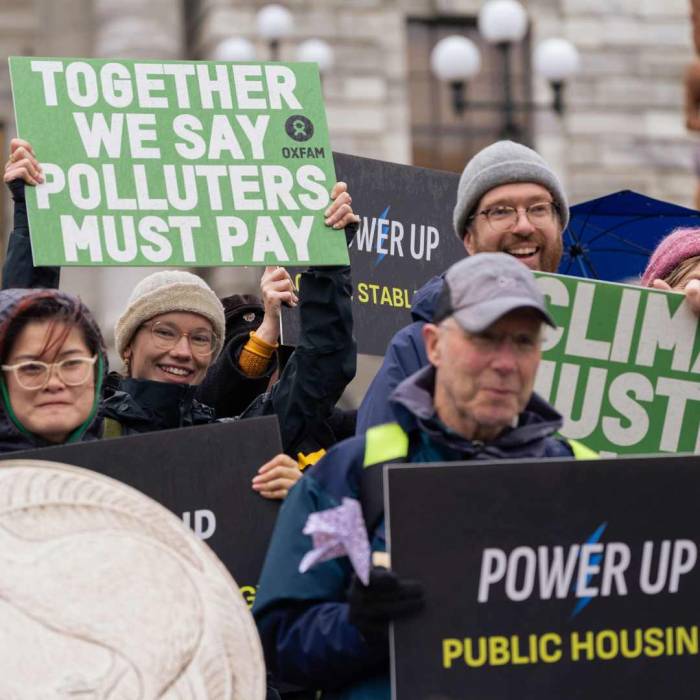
(176, 163)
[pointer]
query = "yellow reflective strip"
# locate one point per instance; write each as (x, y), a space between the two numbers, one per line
(111, 429)
(581, 451)
(384, 443)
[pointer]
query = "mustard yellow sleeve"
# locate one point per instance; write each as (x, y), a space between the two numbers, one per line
(255, 356)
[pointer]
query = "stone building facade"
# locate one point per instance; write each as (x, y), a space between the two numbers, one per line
(624, 127)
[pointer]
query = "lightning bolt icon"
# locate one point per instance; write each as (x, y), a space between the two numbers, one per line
(594, 560)
(382, 234)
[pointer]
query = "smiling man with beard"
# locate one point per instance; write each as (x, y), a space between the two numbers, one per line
(508, 200)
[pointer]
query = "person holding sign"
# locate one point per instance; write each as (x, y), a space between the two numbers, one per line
(675, 265)
(246, 364)
(168, 335)
(53, 365)
(313, 378)
(474, 400)
(248, 361)
(508, 200)
(231, 385)
(173, 329)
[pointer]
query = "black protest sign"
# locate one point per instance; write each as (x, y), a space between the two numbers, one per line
(559, 579)
(201, 474)
(405, 238)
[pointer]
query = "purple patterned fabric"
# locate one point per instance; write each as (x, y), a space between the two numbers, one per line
(339, 532)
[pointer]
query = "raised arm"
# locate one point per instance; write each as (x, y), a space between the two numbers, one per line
(21, 169)
(324, 361)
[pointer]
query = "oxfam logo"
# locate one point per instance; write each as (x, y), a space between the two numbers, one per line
(299, 127)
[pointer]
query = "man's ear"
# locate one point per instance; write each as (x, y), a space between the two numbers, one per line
(431, 336)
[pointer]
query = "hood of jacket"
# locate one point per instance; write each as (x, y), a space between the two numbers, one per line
(412, 402)
(425, 299)
(13, 436)
(142, 405)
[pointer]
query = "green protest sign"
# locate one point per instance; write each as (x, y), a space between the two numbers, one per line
(622, 367)
(176, 163)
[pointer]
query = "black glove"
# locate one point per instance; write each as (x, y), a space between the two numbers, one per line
(386, 598)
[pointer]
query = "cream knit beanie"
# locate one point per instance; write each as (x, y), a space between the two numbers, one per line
(166, 291)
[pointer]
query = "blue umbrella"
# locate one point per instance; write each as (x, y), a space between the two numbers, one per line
(611, 238)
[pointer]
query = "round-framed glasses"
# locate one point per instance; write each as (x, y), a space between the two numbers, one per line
(166, 336)
(35, 374)
(504, 218)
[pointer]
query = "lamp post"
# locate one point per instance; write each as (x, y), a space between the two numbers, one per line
(503, 23)
(456, 60)
(275, 23)
(556, 60)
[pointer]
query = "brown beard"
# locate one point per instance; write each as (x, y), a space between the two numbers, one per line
(550, 251)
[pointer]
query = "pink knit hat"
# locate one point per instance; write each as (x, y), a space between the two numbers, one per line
(679, 245)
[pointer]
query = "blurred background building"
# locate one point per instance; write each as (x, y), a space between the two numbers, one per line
(623, 126)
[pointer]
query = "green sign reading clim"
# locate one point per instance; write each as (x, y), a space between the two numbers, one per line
(176, 163)
(622, 366)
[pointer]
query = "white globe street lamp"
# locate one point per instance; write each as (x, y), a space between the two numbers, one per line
(502, 21)
(557, 60)
(274, 23)
(456, 59)
(234, 49)
(316, 51)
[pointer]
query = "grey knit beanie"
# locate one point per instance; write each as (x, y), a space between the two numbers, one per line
(166, 291)
(502, 163)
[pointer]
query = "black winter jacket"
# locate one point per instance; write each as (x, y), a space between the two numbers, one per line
(321, 366)
(303, 399)
(225, 387)
(141, 405)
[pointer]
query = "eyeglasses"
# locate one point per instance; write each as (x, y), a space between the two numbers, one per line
(34, 374)
(488, 343)
(166, 336)
(503, 218)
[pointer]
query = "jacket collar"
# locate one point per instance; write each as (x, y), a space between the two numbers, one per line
(425, 299)
(412, 402)
(149, 405)
(13, 439)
